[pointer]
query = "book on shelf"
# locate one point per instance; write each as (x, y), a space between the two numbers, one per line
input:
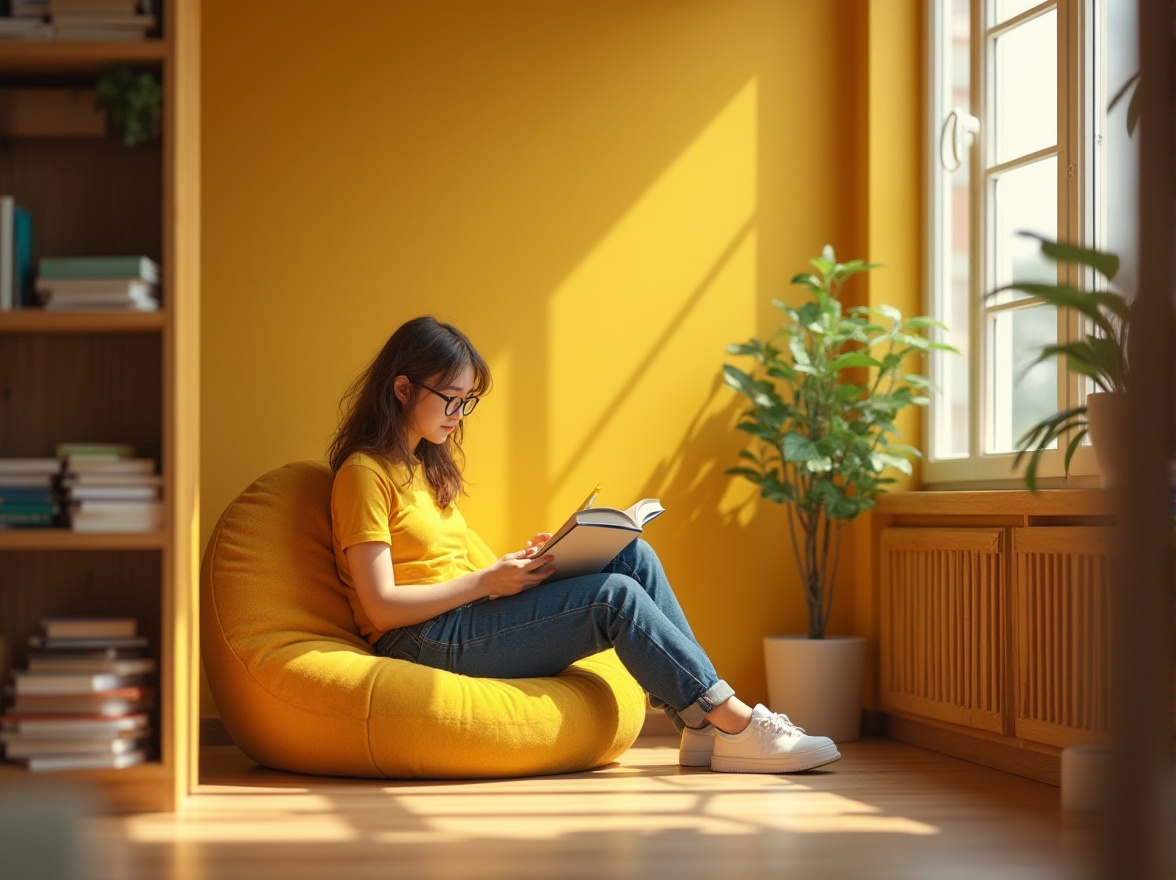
(138, 266)
(48, 763)
(71, 643)
(24, 280)
(112, 703)
(39, 493)
(108, 477)
(132, 294)
(7, 253)
(89, 627)
(590, 538)
(109, 491)
(119, 468)
(102, 28)
(100, 7)
(23, 28)
(16, 255)
(34, 515)
(27, 481)
(27, 736)
(64, 726)
(29, 471)
(25, 681)
(85, 648)
(28, 8)
(114, 636)
(80, 452)
(49, 662)
(17, 748)
(117, 516)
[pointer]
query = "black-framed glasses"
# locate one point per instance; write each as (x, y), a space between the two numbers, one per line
(453, 405)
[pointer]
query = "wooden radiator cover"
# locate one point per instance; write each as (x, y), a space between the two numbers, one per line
(1062, 633)
(998, 629)
(944, 625)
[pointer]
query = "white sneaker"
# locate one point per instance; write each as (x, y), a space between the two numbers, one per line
(770, 744)
(696, 747)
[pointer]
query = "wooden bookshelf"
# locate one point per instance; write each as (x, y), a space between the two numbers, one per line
(114, 377)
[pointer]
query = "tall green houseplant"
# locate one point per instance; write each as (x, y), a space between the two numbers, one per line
(828, 385)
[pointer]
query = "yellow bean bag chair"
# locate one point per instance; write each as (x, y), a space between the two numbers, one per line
(298, 688)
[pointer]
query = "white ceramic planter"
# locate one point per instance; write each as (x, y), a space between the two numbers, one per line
(817, 683)
(1106, 420)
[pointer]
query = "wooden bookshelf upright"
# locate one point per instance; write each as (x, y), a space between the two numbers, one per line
(126, 377)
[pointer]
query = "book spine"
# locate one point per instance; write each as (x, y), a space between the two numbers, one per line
(7, 253)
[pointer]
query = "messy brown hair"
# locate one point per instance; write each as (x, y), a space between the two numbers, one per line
(374, 419)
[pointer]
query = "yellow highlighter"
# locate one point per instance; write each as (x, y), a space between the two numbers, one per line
(591, 499)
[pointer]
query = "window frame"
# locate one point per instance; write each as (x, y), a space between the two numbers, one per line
(1077, 222)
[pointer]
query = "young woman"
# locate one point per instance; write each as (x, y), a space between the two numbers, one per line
(425, 588)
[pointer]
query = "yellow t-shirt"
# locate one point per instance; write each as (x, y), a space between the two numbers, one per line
(430, 544)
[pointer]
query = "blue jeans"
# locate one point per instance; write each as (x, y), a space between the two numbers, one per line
(628, 606)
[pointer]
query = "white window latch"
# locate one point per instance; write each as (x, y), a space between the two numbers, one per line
(962, 128)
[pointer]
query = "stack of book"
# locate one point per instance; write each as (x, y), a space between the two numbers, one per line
(107, 489)
(101, 19)
(99, 283)
(84, 700)
(29, 492)
(26, 20)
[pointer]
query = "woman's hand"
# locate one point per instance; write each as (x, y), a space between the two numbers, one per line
(518, 571)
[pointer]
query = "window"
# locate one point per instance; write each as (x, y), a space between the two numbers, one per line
(1020, 139)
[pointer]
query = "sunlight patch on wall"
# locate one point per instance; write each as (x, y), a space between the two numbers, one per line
(637, 330)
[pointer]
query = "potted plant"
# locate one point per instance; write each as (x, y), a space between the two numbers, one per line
(131, 99)
(828, 385)
(1100, 356)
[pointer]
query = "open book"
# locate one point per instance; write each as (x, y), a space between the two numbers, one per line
(592, 536)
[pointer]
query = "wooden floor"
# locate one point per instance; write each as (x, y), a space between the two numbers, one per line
(886, 810)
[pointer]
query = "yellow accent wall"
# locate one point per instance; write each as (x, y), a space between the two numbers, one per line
(601, 193)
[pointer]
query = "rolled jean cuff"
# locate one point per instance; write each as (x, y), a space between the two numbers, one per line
(695, 714)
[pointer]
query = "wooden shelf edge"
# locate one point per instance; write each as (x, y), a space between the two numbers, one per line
(139, 789)
(32, 59)
(66, 539)
(41, 321)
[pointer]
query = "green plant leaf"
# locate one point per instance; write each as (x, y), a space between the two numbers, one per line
(1088, 303)
(744, 348)
(923, 322)
(854, 359)
(1104, 263)
(797, 447)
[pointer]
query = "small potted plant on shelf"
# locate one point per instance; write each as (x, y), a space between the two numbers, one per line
(1100, 355)
(132, 101)
(823, 399)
